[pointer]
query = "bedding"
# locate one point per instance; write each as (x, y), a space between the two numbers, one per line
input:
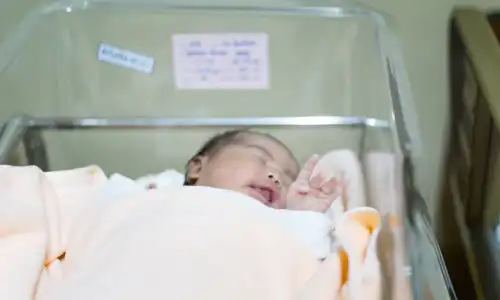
(311, 228)
(380, 180)
(71, 235)
(164, 179)
(201, 243)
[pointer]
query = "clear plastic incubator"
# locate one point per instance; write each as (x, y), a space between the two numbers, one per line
(136, 86)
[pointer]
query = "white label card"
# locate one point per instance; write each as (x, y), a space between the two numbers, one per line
(221, 61)
(125, 58)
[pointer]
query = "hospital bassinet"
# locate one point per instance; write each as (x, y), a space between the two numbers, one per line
(136, 86)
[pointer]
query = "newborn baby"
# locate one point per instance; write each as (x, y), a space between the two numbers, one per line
(260, 166)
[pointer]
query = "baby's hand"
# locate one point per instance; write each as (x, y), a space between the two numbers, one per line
(313, 194)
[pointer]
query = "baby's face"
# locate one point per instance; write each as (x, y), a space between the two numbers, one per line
(258, 167)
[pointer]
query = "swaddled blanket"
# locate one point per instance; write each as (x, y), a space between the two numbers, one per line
(313, 229)
(200, 244)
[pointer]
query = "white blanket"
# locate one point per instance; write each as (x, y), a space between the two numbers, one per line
(180, 243)
(313, 229)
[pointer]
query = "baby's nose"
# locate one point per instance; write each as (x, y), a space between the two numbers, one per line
(275, 178)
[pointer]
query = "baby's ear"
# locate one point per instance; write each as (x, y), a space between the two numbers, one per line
(194, 168)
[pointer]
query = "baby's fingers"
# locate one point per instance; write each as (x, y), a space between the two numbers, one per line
(306, 172)
(332, 186)
(316, 181)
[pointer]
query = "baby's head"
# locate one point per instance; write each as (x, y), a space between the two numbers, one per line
(249, 162)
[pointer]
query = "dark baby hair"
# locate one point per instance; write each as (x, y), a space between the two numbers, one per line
(220, 141)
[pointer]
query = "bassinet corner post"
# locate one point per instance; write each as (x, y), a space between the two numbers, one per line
(17, 131)
(11, 134)
(35, 149)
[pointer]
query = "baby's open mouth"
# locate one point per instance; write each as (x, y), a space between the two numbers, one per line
(265, 194)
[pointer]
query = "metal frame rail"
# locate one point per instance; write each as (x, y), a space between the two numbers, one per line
(28, 129)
